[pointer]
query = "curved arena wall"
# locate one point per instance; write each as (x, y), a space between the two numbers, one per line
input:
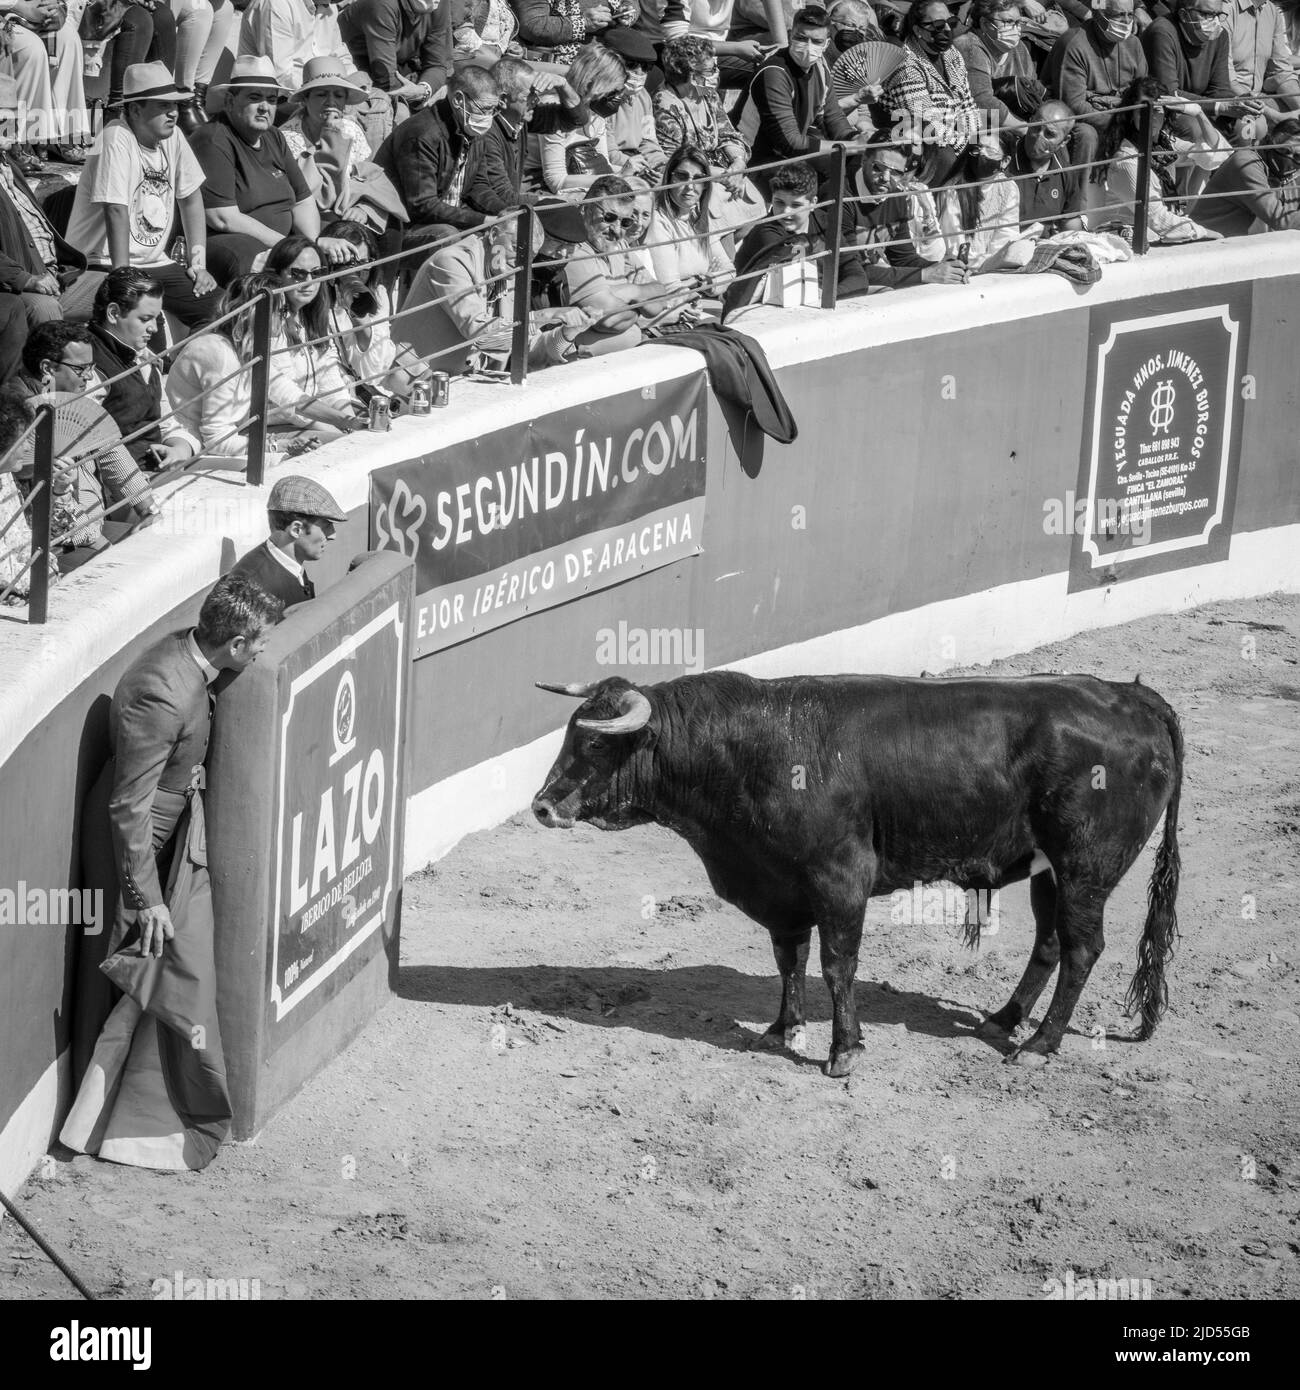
(903, 531)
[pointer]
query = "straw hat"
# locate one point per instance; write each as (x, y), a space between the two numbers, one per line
(328, 72)
(255, 73)
(152, 82)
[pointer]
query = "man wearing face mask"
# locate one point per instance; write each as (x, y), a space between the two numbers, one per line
(1000, 68)
(1050, 193)
(531, 101)
(1090, 66)
(1189, 53)
(891, 260)
(433, 157)
(930, 93)
(404, 46)
(789, 94)
(1256, 190)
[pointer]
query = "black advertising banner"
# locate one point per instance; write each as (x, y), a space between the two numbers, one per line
(536, 514)
(1162, 432)
(337, 870)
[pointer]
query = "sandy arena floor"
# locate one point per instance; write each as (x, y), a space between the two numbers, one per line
(561, 1101)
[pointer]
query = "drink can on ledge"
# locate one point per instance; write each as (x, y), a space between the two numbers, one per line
(420, 398)
(440, 388)
(379, 414)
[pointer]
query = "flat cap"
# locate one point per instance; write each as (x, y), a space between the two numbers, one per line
(304, 497)
(562, 222)
(630, 43)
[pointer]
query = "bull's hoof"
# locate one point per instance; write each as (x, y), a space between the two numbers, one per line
(992, 1031)
(796, 1039)
(1027, 1057)
(841, 1063)
(772, 1040)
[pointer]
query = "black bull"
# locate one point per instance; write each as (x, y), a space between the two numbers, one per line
(806, 796)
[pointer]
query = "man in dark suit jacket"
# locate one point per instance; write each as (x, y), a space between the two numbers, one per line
(158, 726)
(302, 517)
(146, 812)
(35, 261)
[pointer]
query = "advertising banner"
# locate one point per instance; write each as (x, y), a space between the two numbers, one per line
(536, 514)
(1162, 426)
(338, 865)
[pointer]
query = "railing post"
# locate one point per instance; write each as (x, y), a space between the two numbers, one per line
(1143, 200)
(38, 589)
(835, 232)
(523, 295)
(258, 405)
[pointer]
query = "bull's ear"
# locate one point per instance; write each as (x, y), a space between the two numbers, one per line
(634, 712)
(574, 688)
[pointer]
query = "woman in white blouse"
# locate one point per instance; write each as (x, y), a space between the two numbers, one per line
(679, 241)
(209, 385)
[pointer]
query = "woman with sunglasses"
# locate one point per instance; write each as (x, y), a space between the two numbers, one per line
(682, 245)
(569, 161)
(930, 92)
(212, 397)
(311, 372)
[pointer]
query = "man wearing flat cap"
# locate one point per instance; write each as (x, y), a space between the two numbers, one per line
(302, 516)
(140, 175)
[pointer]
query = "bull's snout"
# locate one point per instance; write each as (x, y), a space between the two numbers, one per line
(549, 815)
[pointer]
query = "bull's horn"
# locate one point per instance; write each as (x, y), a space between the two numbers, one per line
(574, 688)
(634, 714)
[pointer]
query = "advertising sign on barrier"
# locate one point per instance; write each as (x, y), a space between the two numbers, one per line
(536, 514)
(338, 860)
(1162, 427)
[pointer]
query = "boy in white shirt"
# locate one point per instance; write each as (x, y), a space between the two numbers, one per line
(140, 173)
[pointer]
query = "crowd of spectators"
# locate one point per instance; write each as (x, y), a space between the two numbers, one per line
(237, 152)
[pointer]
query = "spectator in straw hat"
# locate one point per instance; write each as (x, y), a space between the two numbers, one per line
(320, 105)
(254, 191)
(302, 517)
(140, 175)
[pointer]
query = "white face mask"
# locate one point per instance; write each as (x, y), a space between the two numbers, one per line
(1118, 28)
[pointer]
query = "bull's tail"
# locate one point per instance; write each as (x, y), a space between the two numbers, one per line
(1148, 996)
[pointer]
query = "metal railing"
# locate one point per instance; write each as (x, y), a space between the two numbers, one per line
(830, 164)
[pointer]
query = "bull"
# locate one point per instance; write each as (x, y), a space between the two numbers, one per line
(808, 795)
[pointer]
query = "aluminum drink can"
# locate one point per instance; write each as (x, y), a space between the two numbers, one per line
(440, 388)
(420, 398)
(379, 414)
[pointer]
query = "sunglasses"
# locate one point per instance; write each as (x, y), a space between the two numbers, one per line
(936, 24)
(296, 273)
(614, 219)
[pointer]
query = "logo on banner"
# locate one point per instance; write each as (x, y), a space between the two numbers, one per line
(337, 872)
(345, 709)
(535, 514)
(1158, 466)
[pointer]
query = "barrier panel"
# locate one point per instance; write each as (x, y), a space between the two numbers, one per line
(306, 800)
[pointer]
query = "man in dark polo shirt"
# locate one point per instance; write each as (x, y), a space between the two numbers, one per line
(1049, 193)
(404, 46)
(302, 516)
(254, 192)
